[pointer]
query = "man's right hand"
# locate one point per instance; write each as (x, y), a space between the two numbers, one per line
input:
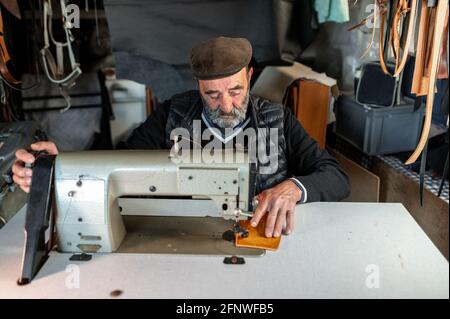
(21, 174)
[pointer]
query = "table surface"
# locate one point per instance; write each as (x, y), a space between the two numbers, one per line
(338, 250)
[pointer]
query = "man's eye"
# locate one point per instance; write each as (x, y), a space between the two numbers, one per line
(235, 92)
(214, 97)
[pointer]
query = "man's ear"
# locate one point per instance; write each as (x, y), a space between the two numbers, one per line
(250, 73)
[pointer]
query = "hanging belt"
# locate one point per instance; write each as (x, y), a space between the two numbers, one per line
(400, 63)
(427, 59)
(444, 175)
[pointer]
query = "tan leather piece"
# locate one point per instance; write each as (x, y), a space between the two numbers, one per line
(256, 237)
(417, 87)
(443, 56)
(428, 77)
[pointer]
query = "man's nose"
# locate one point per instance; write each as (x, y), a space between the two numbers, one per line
(227, 104)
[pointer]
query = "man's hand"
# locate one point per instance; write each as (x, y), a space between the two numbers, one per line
(21, 174)
(279, 202)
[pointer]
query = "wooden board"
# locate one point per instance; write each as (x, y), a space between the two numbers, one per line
(312, 110)
(365, 186)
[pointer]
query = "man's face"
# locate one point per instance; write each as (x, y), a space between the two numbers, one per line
(226, 99)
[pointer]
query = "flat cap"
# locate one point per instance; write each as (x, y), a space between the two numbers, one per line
(220, 57)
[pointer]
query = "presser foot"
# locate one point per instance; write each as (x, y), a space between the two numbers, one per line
(230, 234)
(242, 232)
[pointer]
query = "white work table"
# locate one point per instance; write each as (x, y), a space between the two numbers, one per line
(335, 250)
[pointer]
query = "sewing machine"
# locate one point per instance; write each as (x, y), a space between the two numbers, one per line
(87, 186)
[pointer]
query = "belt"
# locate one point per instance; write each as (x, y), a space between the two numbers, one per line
(431, 29)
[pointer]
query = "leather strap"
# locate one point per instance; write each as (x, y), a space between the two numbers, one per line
(443, 56)
(441, 13)
(381, 47)
(444, 176)
(412, 18)
(423, 165)
(394, 33)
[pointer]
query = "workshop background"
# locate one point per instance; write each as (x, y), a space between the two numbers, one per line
(128, 56)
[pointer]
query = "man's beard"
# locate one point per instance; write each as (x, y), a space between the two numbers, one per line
(227, 120)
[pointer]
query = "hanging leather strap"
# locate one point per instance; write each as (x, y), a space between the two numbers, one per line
(444, 176)
(409, 35)
(429, 80)
(381, 46)
(423, 166)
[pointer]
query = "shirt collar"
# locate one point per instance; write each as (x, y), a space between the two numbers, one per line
(220, 132)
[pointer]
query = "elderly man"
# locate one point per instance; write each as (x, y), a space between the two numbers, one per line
(224, 107)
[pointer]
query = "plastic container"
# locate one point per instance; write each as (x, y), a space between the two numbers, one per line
(377, 131)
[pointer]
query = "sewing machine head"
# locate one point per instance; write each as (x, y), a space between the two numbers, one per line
(90, 185)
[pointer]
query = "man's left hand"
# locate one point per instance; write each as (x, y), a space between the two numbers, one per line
(279, 202)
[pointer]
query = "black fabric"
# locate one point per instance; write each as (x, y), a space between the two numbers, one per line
(375, 87)
(319, 172)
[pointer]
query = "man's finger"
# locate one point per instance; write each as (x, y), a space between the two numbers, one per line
(18, 180)
(27, 181)
(24, 156)
(18, 169)
(50, 147)
(289, 223)
(271, 219)
(281, 220)
(22, 182)
(261, 209)
(21, 171)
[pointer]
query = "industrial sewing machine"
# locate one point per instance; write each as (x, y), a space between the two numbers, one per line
(84, 189)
